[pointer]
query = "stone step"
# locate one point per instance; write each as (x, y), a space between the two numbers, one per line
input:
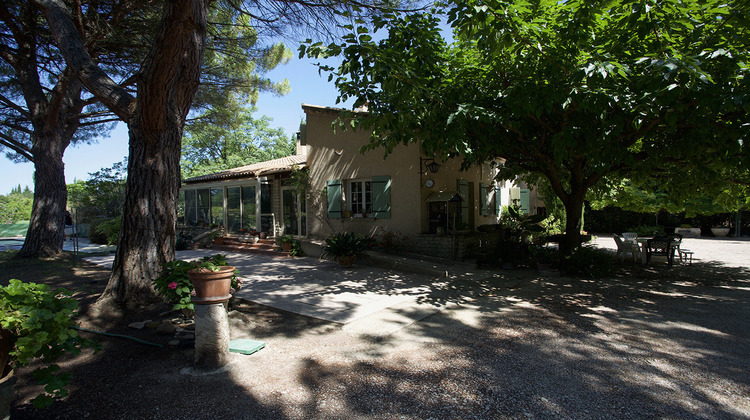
(235, 241)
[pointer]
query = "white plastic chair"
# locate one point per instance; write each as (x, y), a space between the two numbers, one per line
(630, 236)
(626, 247)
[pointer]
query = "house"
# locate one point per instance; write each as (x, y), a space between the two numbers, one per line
(434, 204)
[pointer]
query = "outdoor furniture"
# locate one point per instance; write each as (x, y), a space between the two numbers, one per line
(660, 246)
(686, 255)
(626, 247)
(676, 240)
(630, 236)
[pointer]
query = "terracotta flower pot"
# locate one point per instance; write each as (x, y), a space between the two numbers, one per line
(219, 240)
(346, 261)
(211, 286)
(263, 235)
(286, 246)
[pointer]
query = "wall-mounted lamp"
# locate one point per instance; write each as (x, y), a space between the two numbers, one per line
(430, 164)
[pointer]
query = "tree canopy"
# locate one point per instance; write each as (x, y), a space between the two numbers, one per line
(44, 106)
(571, 91)
(224, 138)
(102, 195)
(16, 206)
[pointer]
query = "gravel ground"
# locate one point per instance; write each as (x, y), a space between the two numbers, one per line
(649, 343)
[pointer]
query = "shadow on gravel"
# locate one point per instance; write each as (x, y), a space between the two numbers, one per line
(124, 382)
(651, 342)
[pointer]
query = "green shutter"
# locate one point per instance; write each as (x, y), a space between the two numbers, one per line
(484, 196)
(333, 191)
(524, 195)
(381, 197)
(498, 200)
(515, 196)
(463, 189)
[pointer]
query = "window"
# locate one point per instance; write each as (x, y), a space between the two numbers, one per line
(217, 206)
(248, 207)
(234, 210)
(191, 207)
(360, 196)
(204, 206)
(369, 195)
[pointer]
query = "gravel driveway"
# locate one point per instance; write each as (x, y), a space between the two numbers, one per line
(650, 343)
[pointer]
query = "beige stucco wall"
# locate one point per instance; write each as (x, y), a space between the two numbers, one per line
(334, 154)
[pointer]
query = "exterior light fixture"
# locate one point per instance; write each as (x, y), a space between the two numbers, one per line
(432, 166)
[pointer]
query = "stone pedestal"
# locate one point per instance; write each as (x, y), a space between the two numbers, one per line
(211, 336)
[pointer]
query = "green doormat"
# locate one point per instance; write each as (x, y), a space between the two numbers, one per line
(245, 346)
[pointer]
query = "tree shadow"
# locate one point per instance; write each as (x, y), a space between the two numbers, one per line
(644, 344)
(128, 380)
(649, 342)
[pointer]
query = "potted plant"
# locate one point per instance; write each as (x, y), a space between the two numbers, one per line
(36, 325)
(720, 231)
(177, 282)
(218, 236)
(547, 260)
(184, 241)
(285, 241)
(345, 248)
(688, 231)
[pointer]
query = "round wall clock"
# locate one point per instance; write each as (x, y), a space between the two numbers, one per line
(429, 183)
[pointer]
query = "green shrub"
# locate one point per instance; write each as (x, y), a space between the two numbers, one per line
(389, 241)
(95, 237)
(546, 255)
(110, 229)
(285, 239)
(342, 244)
(513, 252)
(296, 250)
(589, 262)
(647, 230)
(40, 325)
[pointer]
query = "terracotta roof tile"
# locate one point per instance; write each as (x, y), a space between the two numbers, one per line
(284, 164)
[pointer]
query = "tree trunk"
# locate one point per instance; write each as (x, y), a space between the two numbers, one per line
(147, 235)
(573, 214)
(46, 227)
(168, 81)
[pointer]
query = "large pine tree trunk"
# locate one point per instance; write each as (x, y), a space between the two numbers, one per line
(45, 235)
(147, 236)
(167, 83)
(166, 87)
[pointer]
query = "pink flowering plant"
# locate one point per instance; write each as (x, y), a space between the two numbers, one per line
(174, 284)
(389, 240)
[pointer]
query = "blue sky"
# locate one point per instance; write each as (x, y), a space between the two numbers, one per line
(306, 87)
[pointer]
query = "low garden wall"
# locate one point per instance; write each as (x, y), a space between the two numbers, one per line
(457, 247)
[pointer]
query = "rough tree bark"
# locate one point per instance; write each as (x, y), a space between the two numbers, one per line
(54, 116)
(55, 121)
(573, 213)
(167, 83)
(45, 234)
